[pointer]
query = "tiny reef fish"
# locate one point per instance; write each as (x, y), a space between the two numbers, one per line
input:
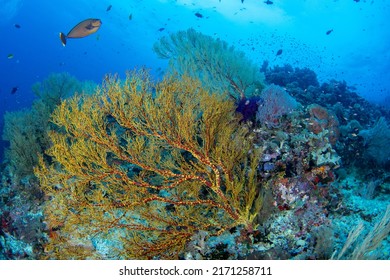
(14, 90)
(199, 15)
(108, 8)
(329, 31)
(268, 2)
(82, 29)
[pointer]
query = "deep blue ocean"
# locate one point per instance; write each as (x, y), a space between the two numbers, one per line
(340, 40)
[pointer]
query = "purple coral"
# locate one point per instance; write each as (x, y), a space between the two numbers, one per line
(248, 107)
(276, 103)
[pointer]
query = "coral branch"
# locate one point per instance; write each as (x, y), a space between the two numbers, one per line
(151, 163)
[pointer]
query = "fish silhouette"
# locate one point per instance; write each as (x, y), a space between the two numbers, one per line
(14, 90)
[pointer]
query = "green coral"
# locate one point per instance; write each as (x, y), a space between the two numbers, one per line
(55, 88)
(376, 141)
(26, 130)
(213, 61)
(20, 130)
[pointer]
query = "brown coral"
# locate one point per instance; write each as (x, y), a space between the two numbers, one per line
(321, 119)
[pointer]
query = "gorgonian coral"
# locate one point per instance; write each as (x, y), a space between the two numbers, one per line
(149, 165)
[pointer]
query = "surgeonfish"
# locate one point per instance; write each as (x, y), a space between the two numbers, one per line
(81, 30)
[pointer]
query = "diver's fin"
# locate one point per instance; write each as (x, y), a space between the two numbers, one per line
(63, 39)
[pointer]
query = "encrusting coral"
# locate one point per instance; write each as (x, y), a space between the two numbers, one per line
(148, 164)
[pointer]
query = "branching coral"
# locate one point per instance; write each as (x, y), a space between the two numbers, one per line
(214, 62)
(26, 130)
(149, 164)
(55, 88)
(368, 246)
(24, 144)
(376, 140)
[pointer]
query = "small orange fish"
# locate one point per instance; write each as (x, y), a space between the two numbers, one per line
(82, 29)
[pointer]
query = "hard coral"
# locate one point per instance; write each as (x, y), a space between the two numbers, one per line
(321, 119)
(285, 75)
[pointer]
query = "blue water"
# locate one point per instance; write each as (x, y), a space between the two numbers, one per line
(338, 39)
(357, 50)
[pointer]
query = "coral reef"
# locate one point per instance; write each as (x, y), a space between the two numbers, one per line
(332, 95)
(23, 230)
(202, 165)
(285, 75)
(22, 227)
(352, 112)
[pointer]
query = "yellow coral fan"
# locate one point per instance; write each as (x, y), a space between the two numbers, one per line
(149, 165)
